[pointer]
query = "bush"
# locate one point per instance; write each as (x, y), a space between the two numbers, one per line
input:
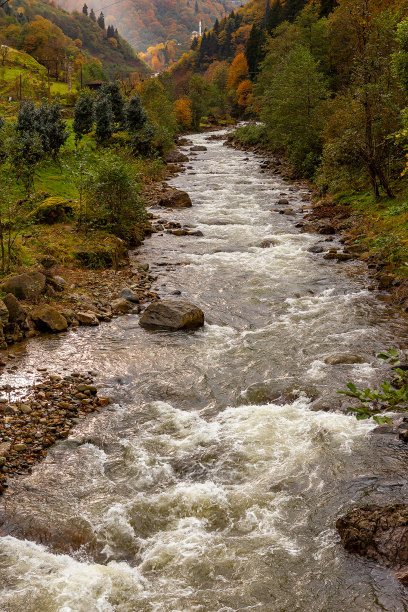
(251, 135)
(112, 199)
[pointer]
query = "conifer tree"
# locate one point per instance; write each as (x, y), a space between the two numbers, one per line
(85, 10)
(104, 119)
(83, 117)
(255, 51)
(135, 115)
(101, 21)
(92, 15)
(112, 91)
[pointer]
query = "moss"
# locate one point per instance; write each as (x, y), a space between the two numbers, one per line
(53, 210)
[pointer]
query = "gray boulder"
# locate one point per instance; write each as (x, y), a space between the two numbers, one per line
(121, 306)
(27, 286)
(4, 313)
(175, 157)
(129, 295)
(172, 315)
(16, 312)
(343, 359)
(87, 318)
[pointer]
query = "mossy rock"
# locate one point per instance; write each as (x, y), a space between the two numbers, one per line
(53, 210)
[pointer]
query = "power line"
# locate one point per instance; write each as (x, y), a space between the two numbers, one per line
(103, 7)
(3, 3)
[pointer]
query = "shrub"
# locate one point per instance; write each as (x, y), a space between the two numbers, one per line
(112, 198)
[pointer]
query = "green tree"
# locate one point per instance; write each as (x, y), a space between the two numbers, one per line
(83, 117)
(103, 119)
(112, 91)
(112, 198)
(198, 90)
(135, 116)
(290, 108)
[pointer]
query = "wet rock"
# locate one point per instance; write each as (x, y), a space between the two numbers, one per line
(179, 232)
(325, 229)
(316, 249)
(175, 157)
(25, 286)
(385, 281)
(175, 199)
(12, 333)
(198, 148)
(343, 359)
(267, 243)
(378, 533)
(121, 306)
(49, 319)
(172, 315)
(129, 295)
(17, 314)
(5, 449)
(55, 284)
(283, 202)
(87, 318)
(4, 313)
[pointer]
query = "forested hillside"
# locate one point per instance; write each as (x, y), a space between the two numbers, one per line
(53, 36)
(148, 23)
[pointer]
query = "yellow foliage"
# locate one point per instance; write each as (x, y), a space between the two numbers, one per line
(238, 71)
(183, 112)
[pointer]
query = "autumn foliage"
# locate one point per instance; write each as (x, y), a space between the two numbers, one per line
(183, 112)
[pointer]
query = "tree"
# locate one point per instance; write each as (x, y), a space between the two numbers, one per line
(255, 51)
(85, 10)
(238, 71)
(112, 198)
(198, 90)
(92, 15)
(101, 21)
(275, 16)
(112, 91)
(83, 117)
(183, 112)
(51, 128)
(135, 116)
(290, 108)
(104, 119)
(4, 51)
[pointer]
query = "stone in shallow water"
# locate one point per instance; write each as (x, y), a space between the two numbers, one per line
(48, 318)
(343, 359)
(172, 315)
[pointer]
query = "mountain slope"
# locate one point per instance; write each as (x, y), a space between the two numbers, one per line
(146, 23)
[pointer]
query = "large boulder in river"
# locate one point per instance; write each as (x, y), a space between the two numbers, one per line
(343, 359)
(27, 286)
(49, 319)
(378, 533)
(175, 199)
(175, 157)
(172, 315)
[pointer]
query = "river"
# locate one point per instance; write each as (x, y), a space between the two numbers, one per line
(214, 481)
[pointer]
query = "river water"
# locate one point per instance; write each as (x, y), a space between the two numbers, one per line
(214, 482)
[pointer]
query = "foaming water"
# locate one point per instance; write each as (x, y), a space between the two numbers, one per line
(214, 483)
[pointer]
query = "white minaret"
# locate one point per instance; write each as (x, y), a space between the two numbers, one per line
(200, 29)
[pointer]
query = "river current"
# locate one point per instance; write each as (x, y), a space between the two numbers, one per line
(214, 481)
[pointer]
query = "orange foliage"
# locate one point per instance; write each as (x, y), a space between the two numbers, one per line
(183, 112)
(238, 71)
(244, 92)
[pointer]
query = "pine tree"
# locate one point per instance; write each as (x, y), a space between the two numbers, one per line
(101, 21)
(275, 16)
(110, 32)
(104, 119)
(92, 15)
(255, 51)
(327, 7)
(196, 9)
(85, 10)
(51, 128)
(135, 115)
(112, 91)
(83, 117)
(292, 9)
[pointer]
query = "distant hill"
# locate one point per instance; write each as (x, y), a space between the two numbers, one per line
(146, 23)
(53, 36)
